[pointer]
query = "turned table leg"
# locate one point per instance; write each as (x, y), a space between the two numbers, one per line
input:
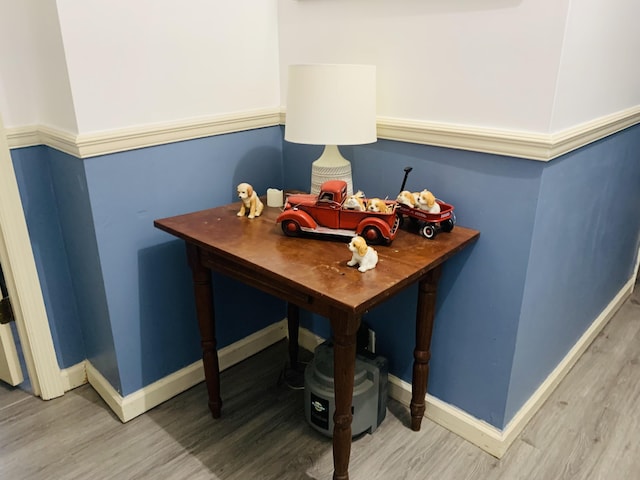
(293, 325)
(344, 364)
(206, 321)
(422, 354)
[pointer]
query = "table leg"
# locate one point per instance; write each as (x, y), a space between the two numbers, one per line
(425, 314)
(344, 363)
(293, 324)
(203, 291)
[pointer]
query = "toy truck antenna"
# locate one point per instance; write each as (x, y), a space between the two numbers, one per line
(406, 174)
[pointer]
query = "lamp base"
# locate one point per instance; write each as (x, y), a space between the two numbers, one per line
(330, 166)
(319, 175)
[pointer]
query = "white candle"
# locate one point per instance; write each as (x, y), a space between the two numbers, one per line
(275, 197)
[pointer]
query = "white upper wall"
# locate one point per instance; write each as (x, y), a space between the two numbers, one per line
(147, 61)
(527, 65)
(34, 87)
(600, 67)
(538, 66)
(487, 63)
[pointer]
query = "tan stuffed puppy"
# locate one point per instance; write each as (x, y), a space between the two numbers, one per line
(250, 201)
(362, 255)
(427, 202)
(377, 205)
(407, 198)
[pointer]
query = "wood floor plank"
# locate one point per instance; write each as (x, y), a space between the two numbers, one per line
(587, 430)
(10, 395)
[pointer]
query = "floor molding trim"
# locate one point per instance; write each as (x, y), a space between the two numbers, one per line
(308, 340)
(143, 400)
(473, 430)
(75, 376)
(521, 144)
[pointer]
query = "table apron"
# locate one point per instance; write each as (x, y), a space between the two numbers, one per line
(269, 284)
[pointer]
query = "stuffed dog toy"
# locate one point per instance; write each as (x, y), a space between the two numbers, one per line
(355, 202)
(407, 198)
(377, 205)
(250, 201)
(427, 202)
(363, 255)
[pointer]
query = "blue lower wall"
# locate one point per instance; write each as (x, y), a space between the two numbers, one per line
(481, 290)
(147, 282)
(117, 290)
(35, 169)
(583, 251)
(558, 241)
(509, 308)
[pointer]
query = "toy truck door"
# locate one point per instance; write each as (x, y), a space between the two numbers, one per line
(328, 210)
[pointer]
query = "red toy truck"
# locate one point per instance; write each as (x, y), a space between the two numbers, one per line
(325, 214)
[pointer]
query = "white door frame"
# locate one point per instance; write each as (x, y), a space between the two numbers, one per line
(16, 257)
(637, 269)
(10, 367)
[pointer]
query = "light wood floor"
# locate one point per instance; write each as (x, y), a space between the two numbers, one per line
(588, 429)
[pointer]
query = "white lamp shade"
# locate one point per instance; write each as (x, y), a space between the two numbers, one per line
(331, 104)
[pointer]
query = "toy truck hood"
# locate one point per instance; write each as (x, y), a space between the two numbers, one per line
(301, 199)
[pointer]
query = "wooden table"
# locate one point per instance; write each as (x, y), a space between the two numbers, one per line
(313, 274)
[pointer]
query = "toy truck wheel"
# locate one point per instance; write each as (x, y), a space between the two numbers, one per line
(372, 235)
(429, 231)
(447, 225)
(290, 228)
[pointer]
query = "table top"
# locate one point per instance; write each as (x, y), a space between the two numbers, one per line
(316, 268)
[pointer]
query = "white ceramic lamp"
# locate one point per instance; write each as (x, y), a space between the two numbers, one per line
(331, 105)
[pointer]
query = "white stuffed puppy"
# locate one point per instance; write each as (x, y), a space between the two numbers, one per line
(363, 255)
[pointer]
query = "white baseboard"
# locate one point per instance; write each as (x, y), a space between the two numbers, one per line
(74, 376)
(487, 437)
(478, 432)
(309, 340)
(137, 403)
